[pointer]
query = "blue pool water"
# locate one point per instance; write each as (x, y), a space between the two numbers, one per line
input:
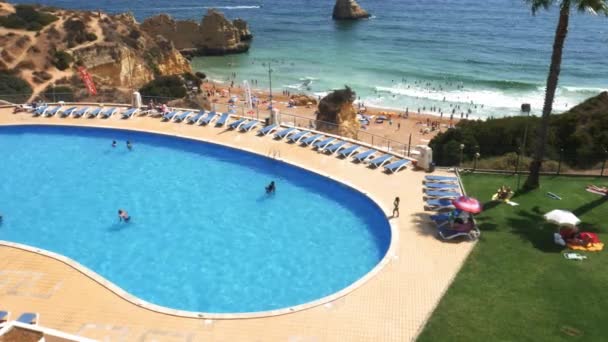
(204, 236)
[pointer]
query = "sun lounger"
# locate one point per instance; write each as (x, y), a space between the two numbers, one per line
(364, 155)
(347, 152)
(440, 220)
(311, 140)
(67, 112)
(441, 179)
(80, 112)
(446, 233)
(222, 120)
(4, 316)
(208, 118)
(322, 144)
(170, 115)
(237, 123)
(282, 134)
(268, 129)
(28, 318)
(52, 111)
(181, 117)
(249, 126)
(129, 113)
(396, 166)
(40, 110)
(439, 204)
(108, 112)
(95, 112)
(194, 119)
(333, 148)
(442, 186)
(377, 162)
(298, 136)
(443, 194)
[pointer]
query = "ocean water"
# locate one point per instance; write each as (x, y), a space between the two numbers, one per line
(203, 236)
(486, 57)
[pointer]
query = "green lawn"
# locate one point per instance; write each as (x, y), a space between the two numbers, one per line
(516, 285)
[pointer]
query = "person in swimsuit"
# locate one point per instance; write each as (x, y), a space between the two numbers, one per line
(396, 207)
(129, 146)
(113, 143)
(270, 189)
(123, 215)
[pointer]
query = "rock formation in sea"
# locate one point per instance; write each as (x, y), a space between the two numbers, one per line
(337, 115)
(348, 10)
(215, 35)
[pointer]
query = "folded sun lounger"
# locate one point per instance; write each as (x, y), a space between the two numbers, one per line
(442, 194)
(237, 123)
(311, 140)
(349, 151)
(4, 316)
(284, 133)
(298, 136)
(364, 155)
(440, 179)
(129, 112)
(95, 112)
(268, 129)
(108, 112)
(28, 318)
(377, 162)
(439, 204)
(208, 118)
(68, 112)
(249, 126)
(333, 148)
(396, 166)
(322, 144)
(222, 120)
(81, 112)
(194, 119)
(441, 186)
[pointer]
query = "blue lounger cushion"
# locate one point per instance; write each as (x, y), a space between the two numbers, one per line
(208, 118)
(321, 144)
(445, 186)
(4, 315)
(268, 129)
(377, 162)
(95, 111)
(443, 194)
(68, 111)
(195, 118)
(81, 112)
(440, 203)
(347, 152)
(397, 165)
(312, 139)
(222, 120)
(249, 126)
(108, 112)
(441, 178)
(297, 136)
(282, 134)
(28, 318)
(364, 155)
(40, 110)
(334, 147)
(237, 123)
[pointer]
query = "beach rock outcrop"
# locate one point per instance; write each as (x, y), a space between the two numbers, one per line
(349, 10)
(215, 35)
(336, 113)
(303, 100)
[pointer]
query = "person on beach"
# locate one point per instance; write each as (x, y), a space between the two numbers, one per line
(396, 207)
(129, 146)
(270, 189)
(123, 216)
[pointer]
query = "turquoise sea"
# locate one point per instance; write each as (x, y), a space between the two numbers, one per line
(484, 56)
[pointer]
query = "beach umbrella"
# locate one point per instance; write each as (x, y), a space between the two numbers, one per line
(562, 218)
(468, 204)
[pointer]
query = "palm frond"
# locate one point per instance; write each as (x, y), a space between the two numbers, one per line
(535, 5)
(592, 6)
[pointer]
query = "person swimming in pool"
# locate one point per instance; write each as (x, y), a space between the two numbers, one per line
(113, 143)
(270, 189)
(123, 215)
(129, 146)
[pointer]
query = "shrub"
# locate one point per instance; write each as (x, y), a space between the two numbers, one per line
(134, 34)
(200, 75)
(14, 89)
(62, 60)
(58, 93)
(91, 36)
(25, 64)
(170, 87)
(27, 17)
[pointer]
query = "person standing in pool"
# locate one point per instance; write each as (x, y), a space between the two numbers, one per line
(129, 146)
(113, 143)
(123, 215)
(270, 189)
(396, 207)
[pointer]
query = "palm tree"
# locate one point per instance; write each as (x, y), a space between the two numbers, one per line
(593, 6)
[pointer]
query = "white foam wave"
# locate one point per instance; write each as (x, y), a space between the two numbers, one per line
(583, 89)
(207, 7)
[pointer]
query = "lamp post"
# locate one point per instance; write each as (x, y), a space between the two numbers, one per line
(559, 163)
(270, 85)
(604, 162)
(477, 155)
(461, 154)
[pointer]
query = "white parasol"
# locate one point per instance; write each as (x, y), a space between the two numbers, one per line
(562, 218)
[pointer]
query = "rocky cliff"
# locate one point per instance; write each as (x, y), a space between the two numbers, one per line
(349, 10)
(337, 113)
(215, 35)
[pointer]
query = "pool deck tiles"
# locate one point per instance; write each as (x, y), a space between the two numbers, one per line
(392, 305)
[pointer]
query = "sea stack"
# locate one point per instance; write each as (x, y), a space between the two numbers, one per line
(215, 35)
(349, 10)
(337, 115)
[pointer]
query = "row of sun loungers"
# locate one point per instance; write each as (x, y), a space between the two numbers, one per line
(77, 112)
(27, 318)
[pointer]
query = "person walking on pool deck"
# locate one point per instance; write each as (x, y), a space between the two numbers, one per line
(396, 207)
(270, 188)
(129, 146)
(123, 215)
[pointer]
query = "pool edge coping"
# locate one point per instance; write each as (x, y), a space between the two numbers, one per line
(389, 255)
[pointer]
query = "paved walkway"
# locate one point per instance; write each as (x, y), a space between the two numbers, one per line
(391, 306)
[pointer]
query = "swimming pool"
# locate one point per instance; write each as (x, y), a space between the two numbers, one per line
(204, 236)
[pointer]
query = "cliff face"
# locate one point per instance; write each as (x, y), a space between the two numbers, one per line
(215, 35)
(349, 10)
(338, 111)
